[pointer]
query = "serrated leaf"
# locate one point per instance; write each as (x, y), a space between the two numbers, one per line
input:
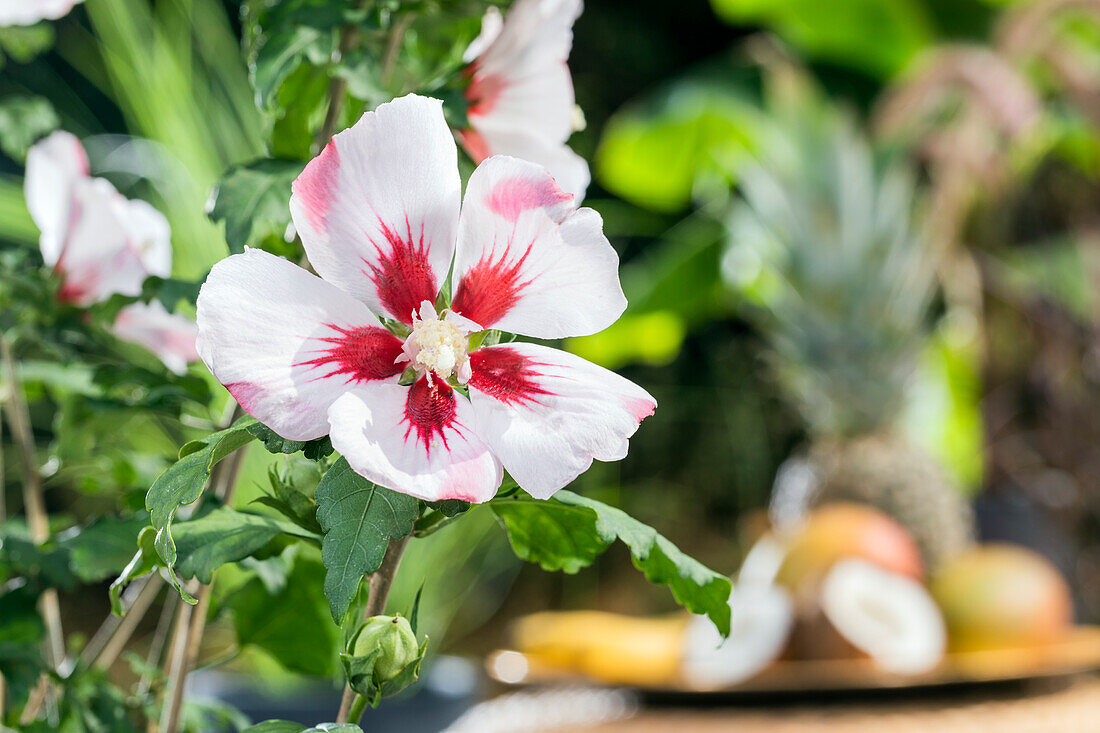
(23, 120)
(254, 201)
(275, 443)
(183, 482)
(291, 625)
(359, 520)
(569, 531)
(224, 536)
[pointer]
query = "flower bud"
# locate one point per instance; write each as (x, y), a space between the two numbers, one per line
(394, 639)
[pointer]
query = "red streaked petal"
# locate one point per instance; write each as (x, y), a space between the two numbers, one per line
(546, 414)
(416, 440)
(430, 413)
(527, 262)
(402, 272)
(377, 210)
(360, 354)
(491, 288)
(286, 343)
(507, 376)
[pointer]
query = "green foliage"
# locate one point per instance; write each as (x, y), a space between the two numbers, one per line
(877, 36)
(224, 536)
(22, 121)
(568, 531)
(22, 43)
(291, 625)
(312, 449)
(183, 481)
(654, 153)
(102, 549)
(290, 502)
(359, 520)
(254, 201)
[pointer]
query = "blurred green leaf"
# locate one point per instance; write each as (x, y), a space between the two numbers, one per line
(102, 549)
(24, 42)
(22, 121)
(291, 625)
(654, 153)
(876, 36)
(359, 520)
(650, 338)
(254, 201)
(568, 531)
(285, 726)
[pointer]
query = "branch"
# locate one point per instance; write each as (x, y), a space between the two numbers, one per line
(34, 505)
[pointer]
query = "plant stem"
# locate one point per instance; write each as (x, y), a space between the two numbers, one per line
(381, 580)
(393, 47)
(105, 657)
(19, 420)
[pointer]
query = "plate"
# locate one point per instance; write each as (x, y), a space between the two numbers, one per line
(1078, 652)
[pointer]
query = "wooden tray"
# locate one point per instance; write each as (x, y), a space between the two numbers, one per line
(1078, 652)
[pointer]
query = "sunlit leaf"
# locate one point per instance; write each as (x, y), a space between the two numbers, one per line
(568, 531)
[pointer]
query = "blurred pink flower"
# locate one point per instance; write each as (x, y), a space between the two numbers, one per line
(521, 94)
(28, 12)
(378, 213)
(101, 243)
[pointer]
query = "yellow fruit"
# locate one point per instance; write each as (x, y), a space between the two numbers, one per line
(605, 646)
(998, 595)
(844, 530)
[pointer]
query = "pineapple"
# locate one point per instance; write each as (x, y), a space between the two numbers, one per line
(842, 281)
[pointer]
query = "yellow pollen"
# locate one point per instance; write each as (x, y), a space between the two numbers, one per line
(442, 347)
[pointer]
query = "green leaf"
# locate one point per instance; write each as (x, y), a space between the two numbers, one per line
(224, 536)
(652, 154)
(283, 52)
(569, 531)
(183, 482)
(24, 42)
(275, 443)
(291, 625)
(359, 520)
(291, 503)
(23, 120)
(254, 201)
(875, 36)
(103, 548)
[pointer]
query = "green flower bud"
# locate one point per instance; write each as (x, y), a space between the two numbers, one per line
(395, 641)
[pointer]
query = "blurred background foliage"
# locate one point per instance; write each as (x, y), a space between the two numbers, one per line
(995, 107)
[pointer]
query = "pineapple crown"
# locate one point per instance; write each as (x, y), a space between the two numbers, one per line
(844, 278)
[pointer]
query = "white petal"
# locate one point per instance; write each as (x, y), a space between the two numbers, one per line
(168, 335)
(54, 164)
(109, 244)
(569, 170)
(415, 440)
(491, 24)
(286, 343)
(547, 414)
(378, 208)
(28, 12)
(521, 83)
(527, 262)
